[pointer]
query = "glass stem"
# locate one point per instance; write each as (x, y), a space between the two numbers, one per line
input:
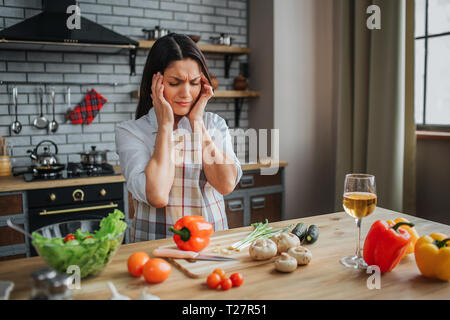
(358, 239)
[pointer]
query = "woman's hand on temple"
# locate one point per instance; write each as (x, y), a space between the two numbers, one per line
(197, 111)
(163, 110)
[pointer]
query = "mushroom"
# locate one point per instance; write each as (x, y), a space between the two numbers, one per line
(262, 249)
(285, 241)
(301, 254)
(286, 263)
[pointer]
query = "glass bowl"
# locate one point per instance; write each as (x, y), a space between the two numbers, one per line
(91, 258)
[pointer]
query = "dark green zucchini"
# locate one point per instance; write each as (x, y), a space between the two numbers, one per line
(300, 231)
(312, 234)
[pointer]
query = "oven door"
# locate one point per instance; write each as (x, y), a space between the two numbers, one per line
(41, 217)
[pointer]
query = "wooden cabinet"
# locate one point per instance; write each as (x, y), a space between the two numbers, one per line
(13, 244)
(256, 198)
(11, 204)
(235, 212)
(266, 207)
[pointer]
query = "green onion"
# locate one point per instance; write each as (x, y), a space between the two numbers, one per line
(261, 231)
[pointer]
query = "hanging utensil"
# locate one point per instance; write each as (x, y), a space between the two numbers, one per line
(17, 228)
(41, 122)
(69, 109)
(16, 126)
(53, 125)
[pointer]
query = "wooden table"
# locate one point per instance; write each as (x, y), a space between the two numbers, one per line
(323, 278)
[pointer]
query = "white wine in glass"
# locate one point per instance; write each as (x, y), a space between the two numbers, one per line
(359, 201)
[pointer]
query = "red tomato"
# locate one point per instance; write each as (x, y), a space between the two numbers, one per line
(88, 237)
(136, 263)
(220, 272)
(213, 280)
(226, 284)
(156, 270)
(69, 237)
(237, 279)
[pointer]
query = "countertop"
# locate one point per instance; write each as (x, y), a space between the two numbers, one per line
(323, 278)
(16, 183)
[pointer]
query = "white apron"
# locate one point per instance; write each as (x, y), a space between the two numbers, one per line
(191, 194)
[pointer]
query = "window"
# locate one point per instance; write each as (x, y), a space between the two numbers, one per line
(432, 63)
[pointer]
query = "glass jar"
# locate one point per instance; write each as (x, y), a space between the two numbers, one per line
(39, 283)
(59, 287)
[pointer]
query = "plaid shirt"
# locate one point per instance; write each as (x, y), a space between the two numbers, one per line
(191, 193)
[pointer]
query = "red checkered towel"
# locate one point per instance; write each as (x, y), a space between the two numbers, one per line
(87, 109)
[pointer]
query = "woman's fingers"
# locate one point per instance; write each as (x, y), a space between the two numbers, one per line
(153, 83)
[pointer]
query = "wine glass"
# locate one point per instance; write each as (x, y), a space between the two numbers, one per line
(359, 201)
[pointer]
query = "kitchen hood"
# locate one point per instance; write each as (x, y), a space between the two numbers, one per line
(48, 31)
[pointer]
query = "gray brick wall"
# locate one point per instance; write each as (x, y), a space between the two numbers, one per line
(94, 70)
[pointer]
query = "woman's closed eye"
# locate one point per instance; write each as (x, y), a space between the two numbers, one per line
(177, 83)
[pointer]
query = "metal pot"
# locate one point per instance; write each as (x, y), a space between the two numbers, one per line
(94, 157)
(224, 39)
(46, 158)
(156, 33)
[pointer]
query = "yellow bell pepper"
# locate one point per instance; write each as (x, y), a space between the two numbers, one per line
(432, 253)
(411, 230)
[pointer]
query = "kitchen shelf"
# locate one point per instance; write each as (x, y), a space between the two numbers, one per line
(206, 48)
(228, 51)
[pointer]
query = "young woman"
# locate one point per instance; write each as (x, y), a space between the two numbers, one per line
(177, 159)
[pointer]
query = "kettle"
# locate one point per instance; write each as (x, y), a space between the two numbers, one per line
(45, 158)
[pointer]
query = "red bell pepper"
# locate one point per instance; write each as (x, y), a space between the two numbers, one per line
(191, 233)
(385, 245)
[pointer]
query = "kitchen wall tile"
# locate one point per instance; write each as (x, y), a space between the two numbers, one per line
(158, 14)
(200, 27)
(173, 25)
(24, 3)
(56, 138)
(95, 8)
(44, 56)
(144, 4)
(190, 17)
(10, 55)
(144, 22)
(217, 3)
(84, 138)
(80, 57)
(108, 137)
(164, 5)
(45, 77)
(10, 21)
(13, 12)
(70, 148)
(227, 12)
(81, 78)
(114, 2)
(189, 1)
(201, 9)
(112, 20)
(19, 141)
(31, 12)
(104, 127)
(62, 67)
(214, 19)
(95, 68)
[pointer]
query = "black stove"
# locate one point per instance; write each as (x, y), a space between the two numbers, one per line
(73, 170)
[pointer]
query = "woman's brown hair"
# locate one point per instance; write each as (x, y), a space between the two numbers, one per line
(164, 51)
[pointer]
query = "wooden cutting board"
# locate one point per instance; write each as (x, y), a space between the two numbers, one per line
(218, 246)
